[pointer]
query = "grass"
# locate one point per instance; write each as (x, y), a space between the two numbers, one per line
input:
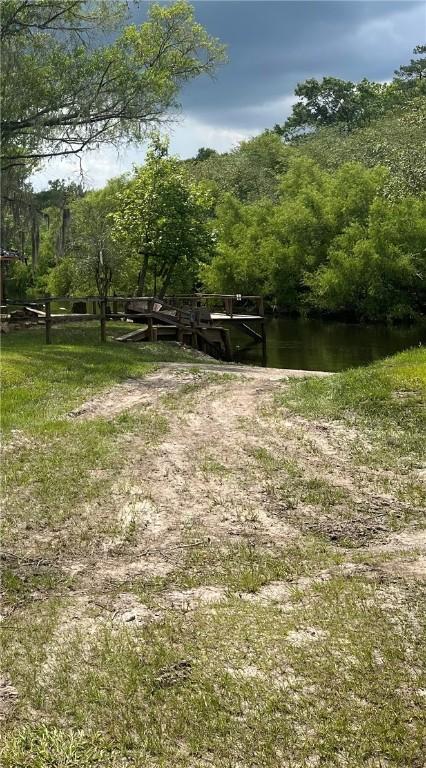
(330, 675)
(242, 567)
(384, 404)
(54, 467)
(21, 581)
(43, 383)
(325, 682)
(386, 400)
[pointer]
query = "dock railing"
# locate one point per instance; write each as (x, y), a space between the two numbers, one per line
(189, 309)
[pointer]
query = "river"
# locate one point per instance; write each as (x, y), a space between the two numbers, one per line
(325, 345)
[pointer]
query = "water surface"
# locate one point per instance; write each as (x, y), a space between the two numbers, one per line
(325, 345)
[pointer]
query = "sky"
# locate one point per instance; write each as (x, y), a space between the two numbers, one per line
(272, 45)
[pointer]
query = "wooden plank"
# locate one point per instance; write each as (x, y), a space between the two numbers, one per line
(220, 316)
(166, 331)
(264, 347)
(251, 332)
(163, 318)
(34, 311)
(227, 343)
(103, 320)
(138, 335)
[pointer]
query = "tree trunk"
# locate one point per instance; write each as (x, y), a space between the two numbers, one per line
(167, 279)
(35, 242)
(142, 274)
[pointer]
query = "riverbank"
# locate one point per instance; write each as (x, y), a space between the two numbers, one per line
(208, 566)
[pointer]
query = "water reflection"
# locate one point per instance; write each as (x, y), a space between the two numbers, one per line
(327, 345)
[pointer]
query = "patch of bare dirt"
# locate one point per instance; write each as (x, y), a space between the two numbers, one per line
(305, 636)
(189, 599)
(8, 696)
(169, 378)
(202, 476)
(126, 608)
(131, 393)
(405, 540)
(406, 568)
(354, 532)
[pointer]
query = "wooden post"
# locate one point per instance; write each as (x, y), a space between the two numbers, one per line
(48, 319)
(149, 318)
(261, 308)
(226, 336)
(114, 306)
(95, 307)
(264, 352)
(3, 282)
(103, 319)
(194, 337)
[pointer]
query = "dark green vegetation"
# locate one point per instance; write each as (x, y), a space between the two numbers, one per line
(335, 222)
(330, 242)
(265, 608)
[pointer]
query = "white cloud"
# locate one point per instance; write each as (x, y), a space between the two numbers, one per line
(191, 134)
(97, 166)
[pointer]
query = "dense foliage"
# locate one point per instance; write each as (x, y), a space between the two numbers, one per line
(162, 224)
(331, 242)
(335, 219)
(62, 89)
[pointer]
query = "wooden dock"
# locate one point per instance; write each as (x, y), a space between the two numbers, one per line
(201, 321)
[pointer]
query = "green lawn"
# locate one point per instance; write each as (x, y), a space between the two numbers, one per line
(386, 400)
(42, 383)
(312, 653)
(53, 465)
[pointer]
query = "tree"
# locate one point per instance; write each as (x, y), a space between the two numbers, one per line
(332, 101)
(204, 153)
(275, 248)
(395, 140)
(376, 269)
(98, 262)
(63, 91)
(250, 172)
(240, 264)
(55, 202)
(163, 221)
(413, 73)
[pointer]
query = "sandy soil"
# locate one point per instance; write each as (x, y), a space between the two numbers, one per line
(202, 476)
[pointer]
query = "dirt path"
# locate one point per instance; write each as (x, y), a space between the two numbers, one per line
(197, 476)
(238, 512)
(171, 377)
(228, 470)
